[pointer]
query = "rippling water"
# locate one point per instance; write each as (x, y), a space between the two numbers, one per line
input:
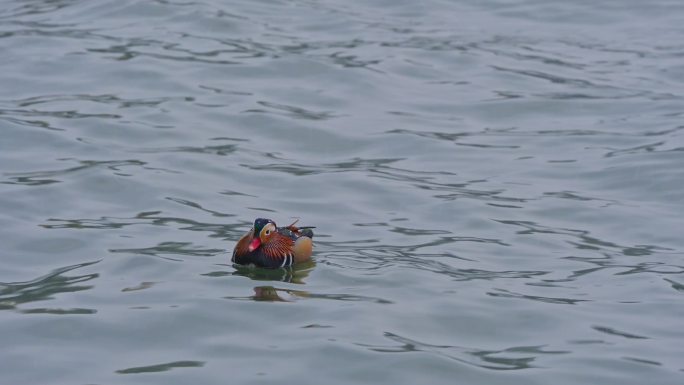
(497, 190)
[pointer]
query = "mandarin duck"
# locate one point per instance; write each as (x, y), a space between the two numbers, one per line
(266, 245)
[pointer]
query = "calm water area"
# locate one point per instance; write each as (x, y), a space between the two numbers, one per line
(497, 189)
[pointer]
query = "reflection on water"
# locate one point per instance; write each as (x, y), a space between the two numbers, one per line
(293, 274)
(296, 274)
(274, 294)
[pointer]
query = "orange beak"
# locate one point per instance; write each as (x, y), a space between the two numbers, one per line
(256, 242)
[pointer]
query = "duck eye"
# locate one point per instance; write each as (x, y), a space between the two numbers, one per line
(268, 232)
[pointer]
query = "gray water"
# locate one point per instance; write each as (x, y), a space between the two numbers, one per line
(497, 189)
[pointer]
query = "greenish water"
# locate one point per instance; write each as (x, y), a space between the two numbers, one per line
(497, 190)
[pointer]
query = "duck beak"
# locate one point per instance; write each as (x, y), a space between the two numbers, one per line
(256, 242)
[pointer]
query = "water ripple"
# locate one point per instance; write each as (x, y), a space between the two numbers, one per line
(161, 367)
(509, 294)
(232, 231)
(38, 178)
(381, 256)
(296, 112)
(171, 248)
(16, 295)
(513, 358)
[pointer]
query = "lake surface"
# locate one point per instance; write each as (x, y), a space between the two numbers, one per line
(497, 189)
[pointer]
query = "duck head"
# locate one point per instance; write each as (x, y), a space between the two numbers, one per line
(263, 230)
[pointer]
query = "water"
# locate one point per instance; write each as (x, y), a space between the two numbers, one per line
(497, 190)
